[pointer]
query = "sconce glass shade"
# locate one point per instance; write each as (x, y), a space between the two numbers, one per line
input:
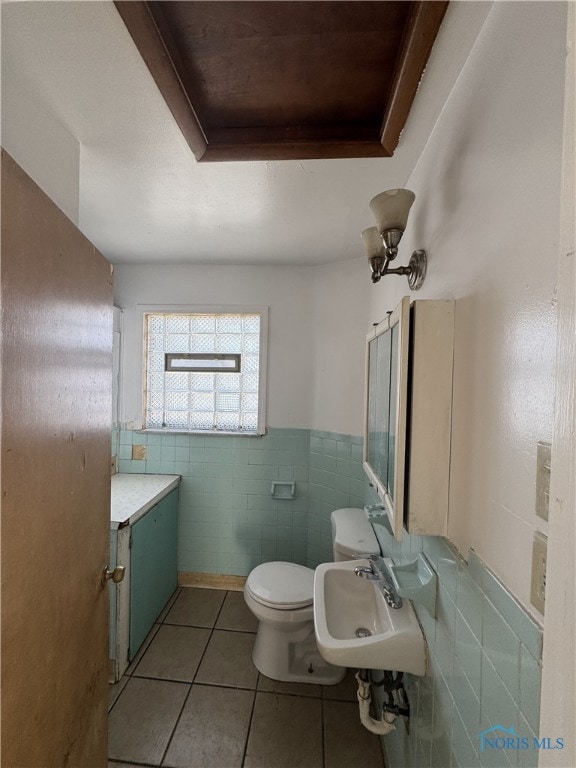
(373, 244)
(391, 209)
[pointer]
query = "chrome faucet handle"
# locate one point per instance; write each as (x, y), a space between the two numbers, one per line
(376, 570)
(391, 596)
(368, 572)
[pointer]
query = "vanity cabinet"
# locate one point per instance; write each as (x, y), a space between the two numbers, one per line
(143, 538)
(408, 414)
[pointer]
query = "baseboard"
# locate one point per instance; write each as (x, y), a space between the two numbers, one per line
(211, 581)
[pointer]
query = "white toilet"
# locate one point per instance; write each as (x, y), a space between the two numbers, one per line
(280, 596)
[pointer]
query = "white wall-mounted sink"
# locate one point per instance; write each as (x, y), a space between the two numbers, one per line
(356, 628)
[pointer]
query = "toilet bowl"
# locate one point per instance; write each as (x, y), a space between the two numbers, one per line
(280, 595)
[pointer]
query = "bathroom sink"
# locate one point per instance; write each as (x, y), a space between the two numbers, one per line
(356, 628)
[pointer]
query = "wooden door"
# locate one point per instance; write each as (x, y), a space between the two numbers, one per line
(55, 464)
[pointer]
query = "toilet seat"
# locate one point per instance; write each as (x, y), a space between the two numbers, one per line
(280, 585)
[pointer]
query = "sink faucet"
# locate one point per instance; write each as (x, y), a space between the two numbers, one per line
(369, 572)
(376, 571)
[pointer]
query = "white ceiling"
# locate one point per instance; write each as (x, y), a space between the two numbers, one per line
(143, 198)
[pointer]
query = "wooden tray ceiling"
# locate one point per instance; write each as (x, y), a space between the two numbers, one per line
(286, 80)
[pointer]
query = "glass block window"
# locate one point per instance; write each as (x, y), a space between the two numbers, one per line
(202, 372)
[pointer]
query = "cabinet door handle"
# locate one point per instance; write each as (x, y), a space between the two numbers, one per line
(117, 574)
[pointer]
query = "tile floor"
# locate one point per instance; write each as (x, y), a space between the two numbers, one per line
(193, 699)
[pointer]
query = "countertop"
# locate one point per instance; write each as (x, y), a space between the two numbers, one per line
(133, 495)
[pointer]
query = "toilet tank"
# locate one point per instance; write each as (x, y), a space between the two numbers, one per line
(352, 535)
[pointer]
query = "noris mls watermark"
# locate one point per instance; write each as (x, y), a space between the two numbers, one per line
(500, 738)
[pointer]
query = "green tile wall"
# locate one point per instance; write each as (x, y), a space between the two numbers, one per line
(228, 522)
(485, 655)
(337, 480)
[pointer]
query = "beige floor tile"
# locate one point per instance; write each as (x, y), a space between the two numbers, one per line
(286, 732)
(168, 605)
(235, 614)
(142, 650)
(212, 729)
(196, 607)
(295, 689)
(347, 743)
(174, 653)
(344, 691)
(142, 721)
(114, 690)
(228, 660)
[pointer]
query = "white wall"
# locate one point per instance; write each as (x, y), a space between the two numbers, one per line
(487, 211)
(38, 141)
(340, 324)
(287, 291)
(317, 325)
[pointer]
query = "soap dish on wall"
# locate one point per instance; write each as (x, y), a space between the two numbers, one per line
(416, 581)
(282, 490)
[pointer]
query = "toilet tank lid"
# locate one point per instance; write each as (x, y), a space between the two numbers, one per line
(353, 533)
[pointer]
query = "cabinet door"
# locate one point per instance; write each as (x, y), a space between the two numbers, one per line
(153, 576)
(432, 362)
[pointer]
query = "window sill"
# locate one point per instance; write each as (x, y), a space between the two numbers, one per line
(205, 433)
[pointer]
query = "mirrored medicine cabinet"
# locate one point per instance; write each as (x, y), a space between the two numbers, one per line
(408, 414)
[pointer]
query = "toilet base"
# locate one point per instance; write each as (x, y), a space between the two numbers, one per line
(293, 656)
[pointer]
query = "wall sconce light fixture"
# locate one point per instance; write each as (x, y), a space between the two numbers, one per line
(391, 211)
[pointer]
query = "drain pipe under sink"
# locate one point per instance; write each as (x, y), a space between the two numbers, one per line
(381, 727)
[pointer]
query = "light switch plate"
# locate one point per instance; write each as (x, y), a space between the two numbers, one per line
(538, 584)
(543, 455)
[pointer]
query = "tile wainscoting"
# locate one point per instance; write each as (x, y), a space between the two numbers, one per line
(485, 663)
(228, 521)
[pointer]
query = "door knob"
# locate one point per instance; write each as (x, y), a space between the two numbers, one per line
(116, 574)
